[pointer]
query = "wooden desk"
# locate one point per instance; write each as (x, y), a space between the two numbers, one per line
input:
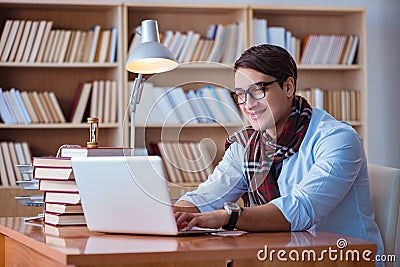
(23, 244)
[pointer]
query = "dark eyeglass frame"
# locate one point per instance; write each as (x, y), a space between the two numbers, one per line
(262, 86)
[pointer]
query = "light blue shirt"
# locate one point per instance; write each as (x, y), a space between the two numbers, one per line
(323, 187)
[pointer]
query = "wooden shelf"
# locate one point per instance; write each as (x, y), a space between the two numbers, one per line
(56, 126)
(59, 65)
(63, 78)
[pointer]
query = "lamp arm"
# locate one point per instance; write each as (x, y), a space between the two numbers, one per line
(134, 99)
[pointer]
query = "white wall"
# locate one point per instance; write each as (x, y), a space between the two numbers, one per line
(383, 61)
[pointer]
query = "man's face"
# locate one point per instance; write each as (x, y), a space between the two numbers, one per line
(271, 111)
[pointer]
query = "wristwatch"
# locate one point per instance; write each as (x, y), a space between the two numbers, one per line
(234, 210)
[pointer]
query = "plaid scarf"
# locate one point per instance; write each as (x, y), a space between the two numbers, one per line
(261, 152)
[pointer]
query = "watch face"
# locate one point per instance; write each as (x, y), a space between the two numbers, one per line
(231, 206)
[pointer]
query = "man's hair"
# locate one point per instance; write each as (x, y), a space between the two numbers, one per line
(271, 60)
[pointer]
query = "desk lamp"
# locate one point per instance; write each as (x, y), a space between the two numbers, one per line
(149, 57)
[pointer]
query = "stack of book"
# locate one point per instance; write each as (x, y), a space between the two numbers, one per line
(29, 107)
(329, 49)
(343, 104)
(221, 43)
(175, 105)
(62, 205)
(62, 202)
(37, 41)
(275, 35)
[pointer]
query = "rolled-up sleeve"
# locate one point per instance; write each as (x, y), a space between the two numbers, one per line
(226, 183)
(338, 159)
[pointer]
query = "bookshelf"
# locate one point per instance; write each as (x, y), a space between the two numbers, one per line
(63, 78)
(301, 20)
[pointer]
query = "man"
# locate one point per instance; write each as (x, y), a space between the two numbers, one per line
(296, 166)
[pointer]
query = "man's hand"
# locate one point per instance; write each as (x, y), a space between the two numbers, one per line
(213, 219)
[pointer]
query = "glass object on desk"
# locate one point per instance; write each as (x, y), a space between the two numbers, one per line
(93, 133)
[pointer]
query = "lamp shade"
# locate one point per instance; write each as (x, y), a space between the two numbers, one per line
(150, 56)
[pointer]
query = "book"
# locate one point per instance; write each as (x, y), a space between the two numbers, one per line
(45, 107)
(5, 111)
(13, 107)
(230, 52)
(45, 41)
(146, 110)
(24, 167)
(81, 100)
(199, 48)
(81, 47)
(7, 161)
(4, 35)
(63, 208)
(166, 153)
(9, 108)
(23, 41)
(182, 106)
(107, 101)
(3, 173)
(198, 106)
(21, 106)
(185, 46)
(95, 152)
(113, 45)
(56, 42)
(164, 106)
(73, 48)
(64, 46)
(202, 153)
(353, 49)
(86, 46)
(100, 101)
(211, 103)
(50, 107)
(62, 197)
(59, 46)
(35, 106)
(114, 101)
(38, 40)
(93, 112)
(28, 104)
(53, 173)
(228, 104)
(93, 43)
(104, 45)
(58, 185)
(51, 161)
(49, 46)
(56, 106)
(14, 160)
(10, 40)
(30, 40)
(64, 219)
(17, 40)
(276, 36)
(259, 33)
(192, 47)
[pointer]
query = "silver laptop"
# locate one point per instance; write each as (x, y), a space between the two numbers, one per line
(126, 195)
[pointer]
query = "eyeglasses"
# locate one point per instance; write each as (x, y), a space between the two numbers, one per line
(256, 91)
